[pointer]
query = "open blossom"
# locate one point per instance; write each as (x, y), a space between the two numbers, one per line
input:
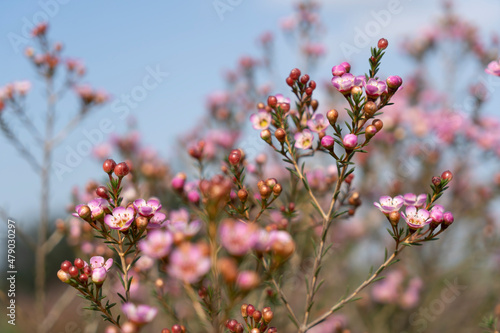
(261, 120)
(100, 268)
(140, 314)
(374, 88)
(121, 219)
(156, 221)
(493, 68)
(412, 199)
(343, 83)
(147, 209)
(318, 123)
(189, 263)
(188, 229)
(304, 139)
(387, 204)
(157, 243)
(416, 218)
(237, 238)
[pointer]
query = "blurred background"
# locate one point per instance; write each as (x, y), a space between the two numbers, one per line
(163, 64)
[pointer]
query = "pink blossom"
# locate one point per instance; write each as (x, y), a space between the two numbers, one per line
(338, 70)
(412, 199)
(188, 229)
(157, 220)
(261, 120)
(374, 88)
(304, 139)
(318, 123)
(247, 280)
(121, 219)
(157, 244)
(343, 83)
(388, 204)
(493, 68)
(416, 218)
(189, 263)
(140, 314)
(387, 290)
(147, 209)
(237, 238)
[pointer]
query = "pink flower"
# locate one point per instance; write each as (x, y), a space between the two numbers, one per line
(140, 314)
(388, 204)
(350, 141)
(99, 275)
(318, 123)
(394, 82)
(374, 88)
(386, 291)
(412, 199)
(304, 139)
(147, 209)
(185, 228)
(448, 218)
(343, 83)
(247, 280)
(237, 238)
(22, 87)
(411, 296)
(189, 263)
(493, 68)
(121, 219)
(327, 141)
(436, 214)
(157, 244)
(96, 207)
(261, 120)
(416, 218)
(99, 268)
(156, 221)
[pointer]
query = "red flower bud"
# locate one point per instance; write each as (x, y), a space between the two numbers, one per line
(108, 166)
(382, 43)
(121, 169)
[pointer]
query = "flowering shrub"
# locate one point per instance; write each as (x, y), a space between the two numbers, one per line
(270, 242)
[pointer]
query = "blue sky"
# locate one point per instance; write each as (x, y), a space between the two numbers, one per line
(122, 41)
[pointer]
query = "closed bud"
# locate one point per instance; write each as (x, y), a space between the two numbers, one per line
(257, 316)
(176, 329)
(314, 103)
(272, 101)
(261, 106)
(370, 108)
(285, 107)
(327, 141)
(264, 191)
(268, 316)
(141, 222)
(239, 329)
(108, 166)
(394, 82)
(271, 182)
(304, 79)
(272, 330)
(436, 181)
(73, 271)
(447, 175)
(79, 263)
(234, 157)
(280, 135)
(266, 135)
(356, 90)
(228, 268)
(121, 169)
(277, 189)
(290, 81)
(370, 131)
(382, 43)
(332, 116)
(378, 124)
(65, 265)
(244, 310)
(102, 192)
(84, 212)
(250, 309)
(394, 218)
(254, 330)
(63, 276)
(295, 73)
(243, 195)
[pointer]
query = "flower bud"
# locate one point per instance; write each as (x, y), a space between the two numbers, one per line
(63, 276)
(338, 70)
(394, 82)
(280, 135)
(290, 81)
(102, 192)
(447, 175)
(228, 268)
(350, 141)
(370, 108)
(257, 316)
(370, 131)
(83, 278)
(448, 218)
(394, 217)
(314, 103)
(268, 316)
(436, 181)
(73, 271)
(108, 166)
(234, 157)
(266, 135)
(272, 330)
(250, 310)
(247, 281)
(295, 74)
(327, 142)
(356, 90)
(178, 181)
(264, 191)
(141, 222)
(347, 66)
(332, 116)
(304, 79)
(378, 124)
(277, 189)
(239, 328)
(382, 43)
(65, 265)
(121, 169)
(243, 195)
(272, 101)
(79, 263)
(244, 310)
(84, 212)
(254, 330)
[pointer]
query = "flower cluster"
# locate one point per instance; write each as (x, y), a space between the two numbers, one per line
(256, 321)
